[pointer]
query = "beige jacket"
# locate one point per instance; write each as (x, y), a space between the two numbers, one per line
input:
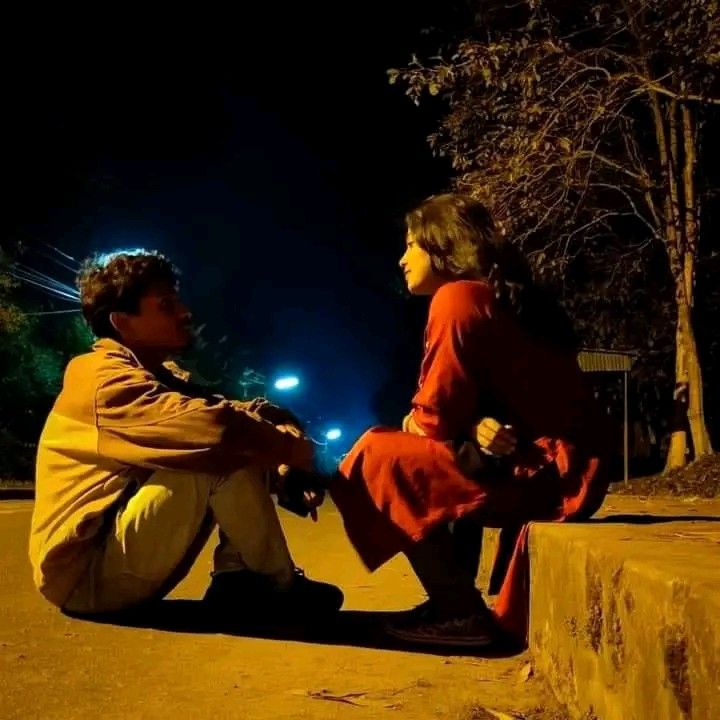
(114, 422)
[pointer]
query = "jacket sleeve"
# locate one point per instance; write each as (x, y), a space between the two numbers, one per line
(142, 422)
(268, 411)
(446, 403)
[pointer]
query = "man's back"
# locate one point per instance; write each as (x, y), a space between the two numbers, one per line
(74, 483)
(116, 422)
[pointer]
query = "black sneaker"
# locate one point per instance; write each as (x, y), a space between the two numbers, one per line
(307, 598)
(239, 591)
(254, 597)
(423, 627)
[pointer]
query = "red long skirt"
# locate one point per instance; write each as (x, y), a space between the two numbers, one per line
(394, 488)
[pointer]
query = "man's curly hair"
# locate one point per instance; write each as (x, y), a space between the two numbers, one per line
(116, 283)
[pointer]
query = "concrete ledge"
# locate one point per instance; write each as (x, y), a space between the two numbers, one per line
(625, 610)
(17, 493)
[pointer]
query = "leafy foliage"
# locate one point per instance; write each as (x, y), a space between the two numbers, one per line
(587, 128)
(33, 354)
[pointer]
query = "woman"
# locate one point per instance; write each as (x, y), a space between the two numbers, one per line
(502, 431)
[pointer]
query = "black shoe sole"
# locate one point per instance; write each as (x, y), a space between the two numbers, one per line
(440, 641)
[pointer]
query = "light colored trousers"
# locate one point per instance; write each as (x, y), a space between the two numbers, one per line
(156, 537)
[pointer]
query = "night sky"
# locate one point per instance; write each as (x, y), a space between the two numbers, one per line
(263, 151)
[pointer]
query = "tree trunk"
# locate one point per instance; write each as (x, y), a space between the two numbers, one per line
(696, 415)
(696, 412)
(678, 446)
(692, 370)
(688, 384)
(676, 144)
(674, 231)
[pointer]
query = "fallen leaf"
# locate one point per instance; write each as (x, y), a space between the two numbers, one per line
(369, 697)
(347, 698)
(464, 661)
(503, 716)
(483, 713)
(526, 672)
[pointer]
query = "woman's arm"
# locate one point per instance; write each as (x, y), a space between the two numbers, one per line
(457, 336)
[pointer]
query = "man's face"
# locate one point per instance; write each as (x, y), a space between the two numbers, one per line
(417, 268)
(161, 323)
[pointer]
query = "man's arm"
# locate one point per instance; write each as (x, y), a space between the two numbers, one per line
(142, 422)
(268, 411)
(178, 379)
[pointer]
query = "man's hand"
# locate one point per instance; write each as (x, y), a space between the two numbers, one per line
(304, 450)
(312, 499)
(494, 438)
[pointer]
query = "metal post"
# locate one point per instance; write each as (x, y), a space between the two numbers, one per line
(626, 432)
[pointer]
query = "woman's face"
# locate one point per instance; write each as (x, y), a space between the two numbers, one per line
(416, 265)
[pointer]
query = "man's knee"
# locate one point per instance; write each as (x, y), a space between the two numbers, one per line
(180, 492)
(249, 477)
(202, 485)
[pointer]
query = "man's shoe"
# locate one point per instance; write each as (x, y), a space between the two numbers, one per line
(307, 598)
(254, 597)
(239, 591)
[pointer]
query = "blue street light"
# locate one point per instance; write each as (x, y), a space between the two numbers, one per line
(288, 382)
(333, 434)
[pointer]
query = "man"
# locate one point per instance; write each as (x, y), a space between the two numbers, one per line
(135, 467)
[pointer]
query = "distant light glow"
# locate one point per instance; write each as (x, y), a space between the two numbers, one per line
(287, 382)
(333, 434)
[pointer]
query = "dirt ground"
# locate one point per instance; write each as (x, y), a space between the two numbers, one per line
(698, 479)
(176, 665)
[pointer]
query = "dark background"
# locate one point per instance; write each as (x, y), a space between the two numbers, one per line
(264, 151)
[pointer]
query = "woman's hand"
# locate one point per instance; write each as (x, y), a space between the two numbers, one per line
(494, 438)
(410, 426)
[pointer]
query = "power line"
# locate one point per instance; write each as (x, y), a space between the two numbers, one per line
(48, 284)
(54, 312)
(63, 254)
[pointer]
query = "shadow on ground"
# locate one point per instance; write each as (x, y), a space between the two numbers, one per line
(354, 628)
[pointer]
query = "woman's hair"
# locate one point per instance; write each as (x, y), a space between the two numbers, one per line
(460, 236)
(457, 232)
(116, 283)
